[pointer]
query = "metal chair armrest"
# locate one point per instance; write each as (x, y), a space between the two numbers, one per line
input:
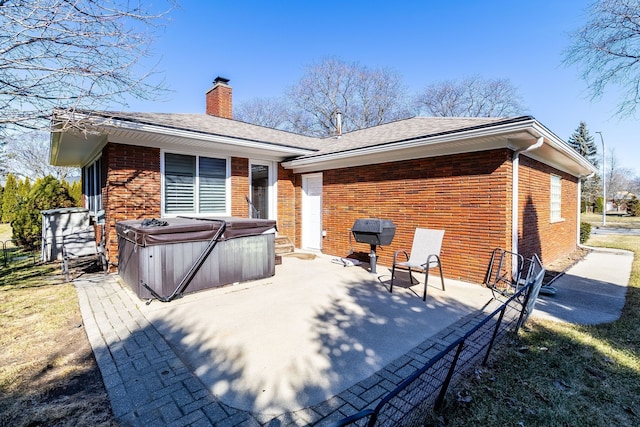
(395, 255)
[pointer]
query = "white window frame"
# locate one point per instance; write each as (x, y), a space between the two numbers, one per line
(197, 155)
(555, 198)
(92, 179)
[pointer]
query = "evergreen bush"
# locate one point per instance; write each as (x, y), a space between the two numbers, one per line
(633, 206)
(47, 193)
(10, 199)
(585, 232)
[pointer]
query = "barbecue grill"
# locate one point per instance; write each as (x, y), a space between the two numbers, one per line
(375, 232)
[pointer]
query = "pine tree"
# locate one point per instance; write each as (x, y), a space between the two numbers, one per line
(47, 193)
(75, 191)
(10, 199)
(582, 142)
(24, 186)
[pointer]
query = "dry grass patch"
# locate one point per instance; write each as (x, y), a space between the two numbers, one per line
(557, 373)
(613, 221)
(48, 375)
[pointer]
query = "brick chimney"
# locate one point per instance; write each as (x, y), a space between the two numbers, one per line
(219, 99)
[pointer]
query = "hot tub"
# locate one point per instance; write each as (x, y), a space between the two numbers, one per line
(156, 259)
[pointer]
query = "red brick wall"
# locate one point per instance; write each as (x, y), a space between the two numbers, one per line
(239, 186)
(468, 195)
(132, 187)
(550, 240)
(287, 196)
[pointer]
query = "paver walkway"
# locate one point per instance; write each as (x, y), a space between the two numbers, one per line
(148, 384)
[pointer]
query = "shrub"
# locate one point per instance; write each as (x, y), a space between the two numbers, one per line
(585, 231)
(633, 206)
(599, 205)
(47, 193)
(10, 199)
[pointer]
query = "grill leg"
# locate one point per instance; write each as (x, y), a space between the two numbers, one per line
(372, 259)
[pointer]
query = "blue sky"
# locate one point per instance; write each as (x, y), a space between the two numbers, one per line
(264, 46)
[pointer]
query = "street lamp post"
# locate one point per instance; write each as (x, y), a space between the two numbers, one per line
(604, 183)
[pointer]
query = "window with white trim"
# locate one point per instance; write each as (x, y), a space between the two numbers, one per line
(194, 184)
(92, 186)
(556, 198)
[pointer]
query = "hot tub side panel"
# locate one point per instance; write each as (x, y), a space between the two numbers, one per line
(129, 265)
(162, 267)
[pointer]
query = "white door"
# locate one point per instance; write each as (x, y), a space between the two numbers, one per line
(312, 211)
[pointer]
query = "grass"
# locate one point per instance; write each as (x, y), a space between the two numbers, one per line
(613, 220)
(561, 374)
(48, 375)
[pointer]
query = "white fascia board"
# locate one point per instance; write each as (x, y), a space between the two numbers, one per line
(574, 163)
(447, 144)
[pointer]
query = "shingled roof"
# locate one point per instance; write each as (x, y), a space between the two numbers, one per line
(212, 125)
(399, 140)
(408, 129)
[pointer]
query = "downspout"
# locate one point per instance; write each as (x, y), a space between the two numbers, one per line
(514, 197)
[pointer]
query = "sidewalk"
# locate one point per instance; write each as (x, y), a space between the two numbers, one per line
(590, 292)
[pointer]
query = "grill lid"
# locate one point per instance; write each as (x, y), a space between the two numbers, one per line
(374, 231)
(371, 225)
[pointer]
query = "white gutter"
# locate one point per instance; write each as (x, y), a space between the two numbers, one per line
(515, 215)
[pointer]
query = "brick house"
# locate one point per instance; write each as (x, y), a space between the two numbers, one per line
(489, 182)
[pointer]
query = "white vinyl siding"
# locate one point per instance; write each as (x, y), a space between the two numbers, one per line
(556, 198)
(194, 184)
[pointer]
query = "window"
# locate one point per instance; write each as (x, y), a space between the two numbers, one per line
(556, 198)
(194, 184)
(92, 186)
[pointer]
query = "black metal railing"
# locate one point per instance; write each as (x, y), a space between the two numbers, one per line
(414, 398)
(12, 251)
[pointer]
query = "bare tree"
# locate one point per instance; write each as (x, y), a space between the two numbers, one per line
(619, 180)
(607, 51)
(28, 157)
(269, 112)
(365, 97)
(73, 54)
(471, 97)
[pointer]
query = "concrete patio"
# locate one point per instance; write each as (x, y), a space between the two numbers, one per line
(313, 330)
(312, 344)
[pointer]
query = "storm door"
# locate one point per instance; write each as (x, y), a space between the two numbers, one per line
(260, 199)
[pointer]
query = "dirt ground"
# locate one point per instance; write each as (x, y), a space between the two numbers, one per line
(48, 374)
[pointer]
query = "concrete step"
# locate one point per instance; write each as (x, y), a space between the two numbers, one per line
(284, 245)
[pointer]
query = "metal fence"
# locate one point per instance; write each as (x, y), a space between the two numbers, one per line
(11, 251)
(412, 400)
